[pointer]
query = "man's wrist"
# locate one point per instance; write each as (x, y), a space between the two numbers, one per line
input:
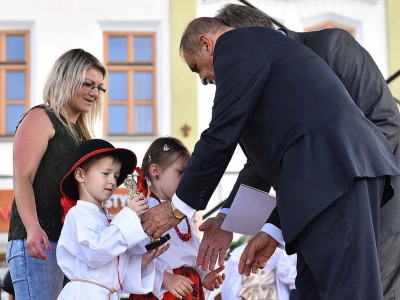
(275, 233)
(183, 207)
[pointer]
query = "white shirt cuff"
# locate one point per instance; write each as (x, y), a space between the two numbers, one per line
(224, 211)
(183, 207)
(275, 233)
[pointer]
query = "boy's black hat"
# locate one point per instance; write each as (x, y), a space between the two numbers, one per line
(91, 148)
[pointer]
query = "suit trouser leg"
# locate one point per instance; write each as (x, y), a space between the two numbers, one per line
(338, 249)
(389, 260)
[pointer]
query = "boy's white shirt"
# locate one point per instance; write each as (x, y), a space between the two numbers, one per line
(88, 249)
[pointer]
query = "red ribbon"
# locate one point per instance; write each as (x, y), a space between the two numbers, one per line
(66, 204)
(141, 182)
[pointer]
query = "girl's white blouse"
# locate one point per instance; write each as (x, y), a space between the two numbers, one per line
(180, 253)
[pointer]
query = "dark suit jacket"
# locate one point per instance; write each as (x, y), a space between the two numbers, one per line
(361, 77)
(296, 121)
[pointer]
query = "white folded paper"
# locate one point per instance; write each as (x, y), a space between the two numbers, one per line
(249, 211)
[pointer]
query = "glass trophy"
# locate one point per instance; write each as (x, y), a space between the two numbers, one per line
(131, 186)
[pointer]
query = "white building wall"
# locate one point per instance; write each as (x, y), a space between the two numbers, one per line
(58, 26)
(367, 16)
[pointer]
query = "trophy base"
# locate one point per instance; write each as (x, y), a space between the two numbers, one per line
(155, 244)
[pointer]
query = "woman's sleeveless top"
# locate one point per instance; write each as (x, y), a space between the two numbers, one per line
(46, 185)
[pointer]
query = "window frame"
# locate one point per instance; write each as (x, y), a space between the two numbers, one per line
(130, 67)
(13, 65)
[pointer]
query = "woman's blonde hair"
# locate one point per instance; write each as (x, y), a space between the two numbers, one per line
(63, 82)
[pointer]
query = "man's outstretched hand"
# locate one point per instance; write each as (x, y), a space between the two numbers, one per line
(158, 220)
(215, 243)
(256, 254)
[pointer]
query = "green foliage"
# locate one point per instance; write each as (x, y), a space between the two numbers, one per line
(235, 244)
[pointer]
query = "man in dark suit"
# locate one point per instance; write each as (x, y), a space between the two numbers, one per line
(306, 137)
(368, 89)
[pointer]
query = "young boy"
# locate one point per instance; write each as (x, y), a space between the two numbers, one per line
(93, 250)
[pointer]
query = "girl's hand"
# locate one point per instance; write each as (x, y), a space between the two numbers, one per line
(178, 285)
(139, 205)
(213, 280)
(149, 256)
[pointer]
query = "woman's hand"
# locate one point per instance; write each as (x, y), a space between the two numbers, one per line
(139, 204)
(213, 280)
(150, 255)
(177, 285)
(35, 237)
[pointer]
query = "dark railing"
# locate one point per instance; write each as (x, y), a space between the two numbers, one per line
(393, 77)
(213, 210)
(390, 79)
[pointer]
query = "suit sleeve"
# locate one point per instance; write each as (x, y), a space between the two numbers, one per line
(241, 71)
(274, 218)
(363, 80)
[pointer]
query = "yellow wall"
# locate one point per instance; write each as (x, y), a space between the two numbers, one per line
(184, 82)
(393, 13)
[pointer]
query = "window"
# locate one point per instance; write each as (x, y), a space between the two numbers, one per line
(331, 24)
(14, 79)
(130, 102)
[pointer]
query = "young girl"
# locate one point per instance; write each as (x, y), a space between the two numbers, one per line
(163, 166)
(94, 251)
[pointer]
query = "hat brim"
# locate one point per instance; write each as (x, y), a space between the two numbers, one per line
(128, 159)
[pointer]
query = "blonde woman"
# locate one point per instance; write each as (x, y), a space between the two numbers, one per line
(43, 144)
